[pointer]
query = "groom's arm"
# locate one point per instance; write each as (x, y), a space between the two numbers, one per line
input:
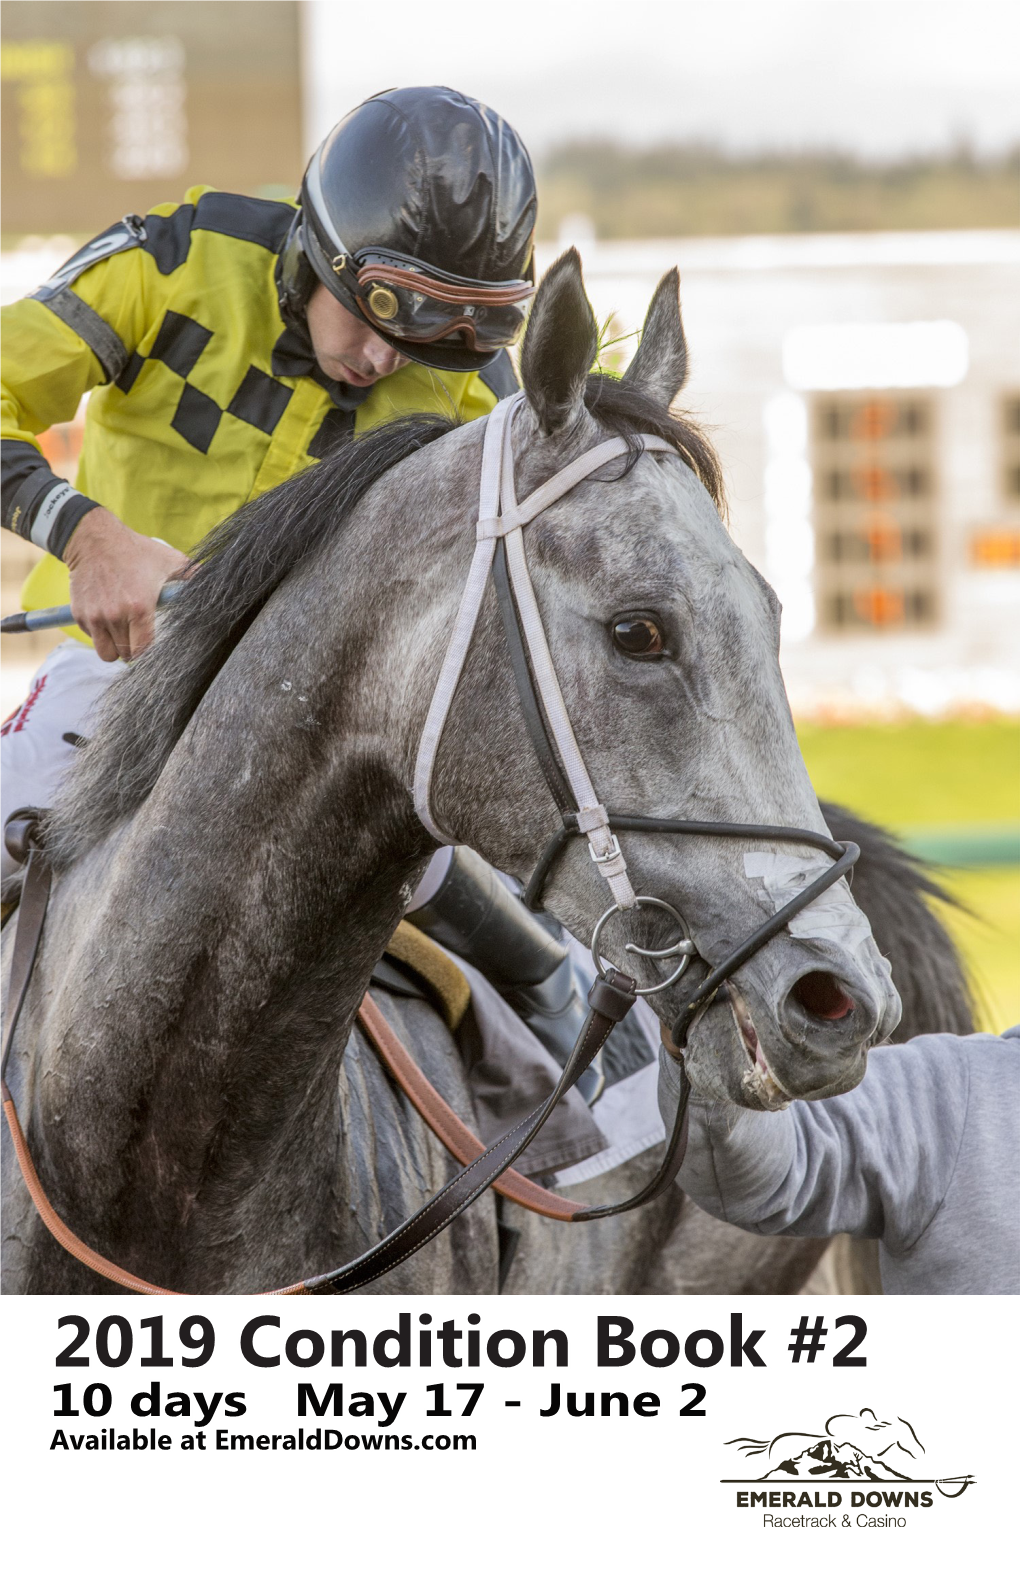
(874, 1163)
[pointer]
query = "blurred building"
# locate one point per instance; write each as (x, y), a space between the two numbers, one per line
(863, 390)
(864, 393)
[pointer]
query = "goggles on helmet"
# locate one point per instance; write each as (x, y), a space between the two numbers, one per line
(408, 300)
(398, 295)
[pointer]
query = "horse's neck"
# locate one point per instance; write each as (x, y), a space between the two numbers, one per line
(222, 941)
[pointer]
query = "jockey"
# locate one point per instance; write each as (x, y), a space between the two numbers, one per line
(229, 342)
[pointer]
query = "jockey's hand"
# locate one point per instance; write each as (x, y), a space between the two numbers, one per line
(116, 578)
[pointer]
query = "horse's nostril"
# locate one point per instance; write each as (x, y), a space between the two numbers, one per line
(823, 996)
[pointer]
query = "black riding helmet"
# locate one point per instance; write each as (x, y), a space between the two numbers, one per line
(418, 214)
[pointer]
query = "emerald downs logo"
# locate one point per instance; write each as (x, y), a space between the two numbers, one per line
(877, 1463)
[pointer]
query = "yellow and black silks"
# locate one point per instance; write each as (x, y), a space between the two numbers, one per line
(203, 395)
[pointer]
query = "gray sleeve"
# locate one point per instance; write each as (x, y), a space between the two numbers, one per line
(874, 1163)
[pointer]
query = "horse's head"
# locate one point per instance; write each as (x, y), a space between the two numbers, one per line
(665, 642)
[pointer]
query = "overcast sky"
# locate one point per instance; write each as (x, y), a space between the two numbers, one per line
(876, 76)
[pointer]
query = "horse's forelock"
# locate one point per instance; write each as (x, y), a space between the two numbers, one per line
(625, 411)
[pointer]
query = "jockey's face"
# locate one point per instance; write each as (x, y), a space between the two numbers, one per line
(346, 347)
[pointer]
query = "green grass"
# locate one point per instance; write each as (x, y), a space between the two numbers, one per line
(919, 774)
(962, 774)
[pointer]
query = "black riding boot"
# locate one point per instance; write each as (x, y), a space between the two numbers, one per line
(474, 914)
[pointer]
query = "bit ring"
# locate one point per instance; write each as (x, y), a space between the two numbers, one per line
(684, 949)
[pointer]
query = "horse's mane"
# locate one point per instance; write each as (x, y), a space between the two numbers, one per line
(241, 563)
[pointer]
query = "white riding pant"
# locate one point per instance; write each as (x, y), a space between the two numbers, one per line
(34, 752)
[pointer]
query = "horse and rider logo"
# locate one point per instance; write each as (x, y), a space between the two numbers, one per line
(856, 1448)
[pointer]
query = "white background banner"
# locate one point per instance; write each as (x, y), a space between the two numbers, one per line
(211, 1432)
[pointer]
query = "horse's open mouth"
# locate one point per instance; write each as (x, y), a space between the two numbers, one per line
(758, 1079)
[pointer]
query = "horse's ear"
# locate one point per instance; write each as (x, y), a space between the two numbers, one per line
(559, 346)
(659, 369)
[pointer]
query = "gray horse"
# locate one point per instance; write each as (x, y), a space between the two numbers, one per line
(238, 841)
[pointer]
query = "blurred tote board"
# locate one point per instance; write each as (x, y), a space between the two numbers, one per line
(111, 107)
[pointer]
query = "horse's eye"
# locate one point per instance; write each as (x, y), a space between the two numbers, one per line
(639, 636)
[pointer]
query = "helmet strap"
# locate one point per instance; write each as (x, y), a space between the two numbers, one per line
(295, 277)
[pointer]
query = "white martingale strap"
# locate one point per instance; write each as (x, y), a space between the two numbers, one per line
(500, 515)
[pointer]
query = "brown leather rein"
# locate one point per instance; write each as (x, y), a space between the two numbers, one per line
(452, 1133)
(610, 999)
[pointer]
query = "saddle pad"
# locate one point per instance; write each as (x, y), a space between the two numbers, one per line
(509, 1072)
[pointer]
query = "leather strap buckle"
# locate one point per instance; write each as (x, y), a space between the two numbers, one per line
(615, 851)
